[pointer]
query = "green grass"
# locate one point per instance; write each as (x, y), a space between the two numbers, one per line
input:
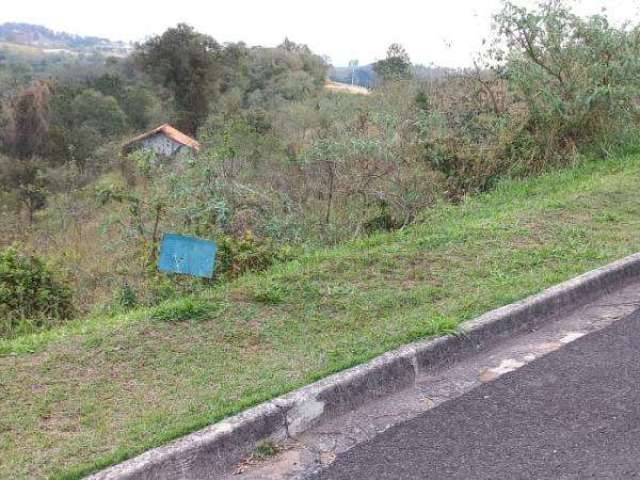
(264, 450)
(92, 393)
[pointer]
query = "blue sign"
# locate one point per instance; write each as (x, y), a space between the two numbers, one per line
(187, 255)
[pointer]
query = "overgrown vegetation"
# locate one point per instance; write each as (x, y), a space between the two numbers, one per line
(80, 397)
(285, 166)
(30, 294)
(346, 224)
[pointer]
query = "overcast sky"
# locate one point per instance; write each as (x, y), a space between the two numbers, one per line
(442, 32)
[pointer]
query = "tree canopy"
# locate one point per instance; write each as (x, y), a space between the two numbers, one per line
(189, 64)
(396, 65)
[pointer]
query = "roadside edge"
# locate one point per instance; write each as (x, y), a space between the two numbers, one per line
(216, 448)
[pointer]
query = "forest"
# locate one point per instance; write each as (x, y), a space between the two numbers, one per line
(285, 166)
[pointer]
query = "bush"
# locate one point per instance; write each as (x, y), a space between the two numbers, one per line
(31, 295)
(383, 221)
(576, 78)
(127, 297)
(248, 254)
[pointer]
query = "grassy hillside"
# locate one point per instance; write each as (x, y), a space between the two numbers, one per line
(40, 36)
(95, 392)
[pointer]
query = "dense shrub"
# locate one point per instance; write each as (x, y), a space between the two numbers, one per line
(383, 221)
(578, 79)
(552, 88)
(248, 254)
(32, 296)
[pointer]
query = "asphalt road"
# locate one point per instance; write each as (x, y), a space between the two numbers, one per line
(573, 414)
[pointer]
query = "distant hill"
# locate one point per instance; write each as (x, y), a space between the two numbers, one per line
(50, 41)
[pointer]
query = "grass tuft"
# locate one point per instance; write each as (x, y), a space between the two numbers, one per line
(265, 449)
(187, 309)
(269, 293)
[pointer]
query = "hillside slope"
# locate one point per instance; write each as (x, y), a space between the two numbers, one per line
(95, 392)
(46, 40)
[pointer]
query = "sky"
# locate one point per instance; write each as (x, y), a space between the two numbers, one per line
(440, 32)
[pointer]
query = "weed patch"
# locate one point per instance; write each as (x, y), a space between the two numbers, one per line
(187, 309)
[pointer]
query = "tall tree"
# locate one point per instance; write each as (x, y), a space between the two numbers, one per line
(396, 65)
(26, 133)
(187, 63)
(25, 136)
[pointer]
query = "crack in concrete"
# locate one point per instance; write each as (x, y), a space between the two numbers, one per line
(285, 419)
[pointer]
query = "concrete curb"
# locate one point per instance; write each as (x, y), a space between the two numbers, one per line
(210, 452)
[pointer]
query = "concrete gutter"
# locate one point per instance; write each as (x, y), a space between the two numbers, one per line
(211, 452)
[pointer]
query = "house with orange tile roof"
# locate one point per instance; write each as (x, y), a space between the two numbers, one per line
(164, 140)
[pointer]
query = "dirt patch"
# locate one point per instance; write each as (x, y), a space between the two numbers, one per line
(346, 88)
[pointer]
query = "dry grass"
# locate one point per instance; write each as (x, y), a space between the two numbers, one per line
(346, 88)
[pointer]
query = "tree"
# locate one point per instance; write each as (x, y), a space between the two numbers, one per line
(577, 78)
(26, 132)
(396, 65)
(109, 84)
(25, 178)
(142, 107)
(290, 72)
(25, 137)
(187, 63)
(99, 112)
(146, 206)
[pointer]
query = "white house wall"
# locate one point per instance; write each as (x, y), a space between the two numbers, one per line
(161, 145)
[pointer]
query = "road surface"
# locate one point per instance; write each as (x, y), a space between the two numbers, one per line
(572, 414)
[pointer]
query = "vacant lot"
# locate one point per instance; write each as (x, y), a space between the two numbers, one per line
(92, 393)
